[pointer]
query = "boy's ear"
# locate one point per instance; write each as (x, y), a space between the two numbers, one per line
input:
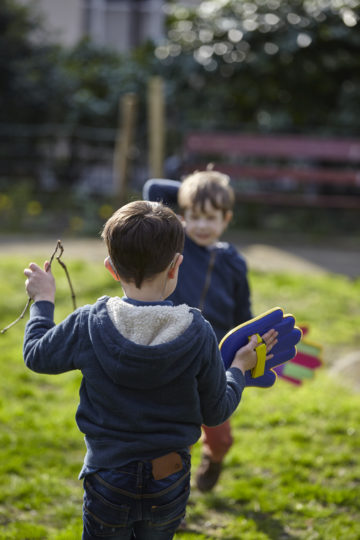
(182, 219)
(109, 266)
(228, 216)
(178, 259)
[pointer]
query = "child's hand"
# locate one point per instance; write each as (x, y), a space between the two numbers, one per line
(40, 284)
(246, 358)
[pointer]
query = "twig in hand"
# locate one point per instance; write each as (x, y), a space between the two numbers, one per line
(59, 247)
(21, 316)
(73, 298)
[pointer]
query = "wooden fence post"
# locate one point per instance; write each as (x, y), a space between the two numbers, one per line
(156, 126)
(123, 145)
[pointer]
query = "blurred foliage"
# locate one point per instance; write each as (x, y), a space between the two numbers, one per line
(41, 82)
(292, 65)
(24, 208)
(44, 83)
(29, 74)
(266, 65)
(269, 64)
(51, 95)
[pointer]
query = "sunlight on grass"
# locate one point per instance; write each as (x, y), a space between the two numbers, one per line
(329, 304)
(292, 473)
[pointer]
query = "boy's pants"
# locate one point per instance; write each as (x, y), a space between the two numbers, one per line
(217, 441)
(128, 503)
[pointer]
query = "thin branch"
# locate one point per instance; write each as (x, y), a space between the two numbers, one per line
(21, 316)
(59, 247)
(73, 297)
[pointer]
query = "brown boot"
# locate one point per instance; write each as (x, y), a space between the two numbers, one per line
(207, 474)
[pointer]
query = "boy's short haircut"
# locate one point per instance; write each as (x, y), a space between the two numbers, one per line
(202, 186)
(142, 239)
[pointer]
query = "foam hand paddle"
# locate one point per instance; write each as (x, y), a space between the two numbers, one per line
(263, 374)
(302, 367)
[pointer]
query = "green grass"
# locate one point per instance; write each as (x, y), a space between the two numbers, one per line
(293, 472)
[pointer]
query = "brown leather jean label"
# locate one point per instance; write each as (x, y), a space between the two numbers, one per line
(166, 465)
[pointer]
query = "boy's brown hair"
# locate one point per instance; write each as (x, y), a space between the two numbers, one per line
(142, 239)
(208, 185)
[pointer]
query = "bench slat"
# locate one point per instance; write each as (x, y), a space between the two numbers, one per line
(295, 199)
(270, 172)
(276, 169)
(281, 146)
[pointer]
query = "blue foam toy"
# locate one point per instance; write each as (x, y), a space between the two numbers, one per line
(284, 350)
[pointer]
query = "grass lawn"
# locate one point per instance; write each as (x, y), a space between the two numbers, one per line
(293, 472)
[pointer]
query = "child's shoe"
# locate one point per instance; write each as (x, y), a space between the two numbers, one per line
(207, 474)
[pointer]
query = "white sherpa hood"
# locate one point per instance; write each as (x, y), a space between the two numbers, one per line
(150, 324)
(138, 346)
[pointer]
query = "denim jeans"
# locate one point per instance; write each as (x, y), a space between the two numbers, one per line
(127, 503)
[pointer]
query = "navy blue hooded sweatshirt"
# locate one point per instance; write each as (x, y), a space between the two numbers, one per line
(223, 294)
(226, 302)
(152, 375)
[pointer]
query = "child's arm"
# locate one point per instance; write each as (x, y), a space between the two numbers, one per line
(220, 392)
(48, 348)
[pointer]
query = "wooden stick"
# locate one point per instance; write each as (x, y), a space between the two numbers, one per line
(156, 122)
(123, 146)
(21, 316)
(59, 247)
(73, 297)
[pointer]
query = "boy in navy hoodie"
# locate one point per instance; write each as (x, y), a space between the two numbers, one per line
(213, 278)
(151, 376)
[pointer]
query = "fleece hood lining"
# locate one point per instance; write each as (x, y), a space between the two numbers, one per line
(148, 325)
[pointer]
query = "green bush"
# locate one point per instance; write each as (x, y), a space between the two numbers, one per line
(264, 65)
(24, 208)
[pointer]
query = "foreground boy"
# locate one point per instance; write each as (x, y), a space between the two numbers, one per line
(213, 278)
(152, 374)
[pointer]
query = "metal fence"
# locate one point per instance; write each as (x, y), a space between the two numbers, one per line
(58, 156)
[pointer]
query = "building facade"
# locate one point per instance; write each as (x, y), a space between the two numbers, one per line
(119, 24)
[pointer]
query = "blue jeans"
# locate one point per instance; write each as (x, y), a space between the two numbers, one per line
(127, 503)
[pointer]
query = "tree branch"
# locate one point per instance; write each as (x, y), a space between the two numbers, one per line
(59, 247)
(21, 316)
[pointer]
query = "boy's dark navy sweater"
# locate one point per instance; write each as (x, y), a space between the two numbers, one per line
(137, 402)
(227, 301)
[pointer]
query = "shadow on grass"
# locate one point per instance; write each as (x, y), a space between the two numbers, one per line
(221, 515)
(273, 528)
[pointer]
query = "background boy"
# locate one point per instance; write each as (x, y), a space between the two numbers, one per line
(212, 278)
(152, 374)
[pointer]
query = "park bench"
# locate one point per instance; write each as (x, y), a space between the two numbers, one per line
(284, 170)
